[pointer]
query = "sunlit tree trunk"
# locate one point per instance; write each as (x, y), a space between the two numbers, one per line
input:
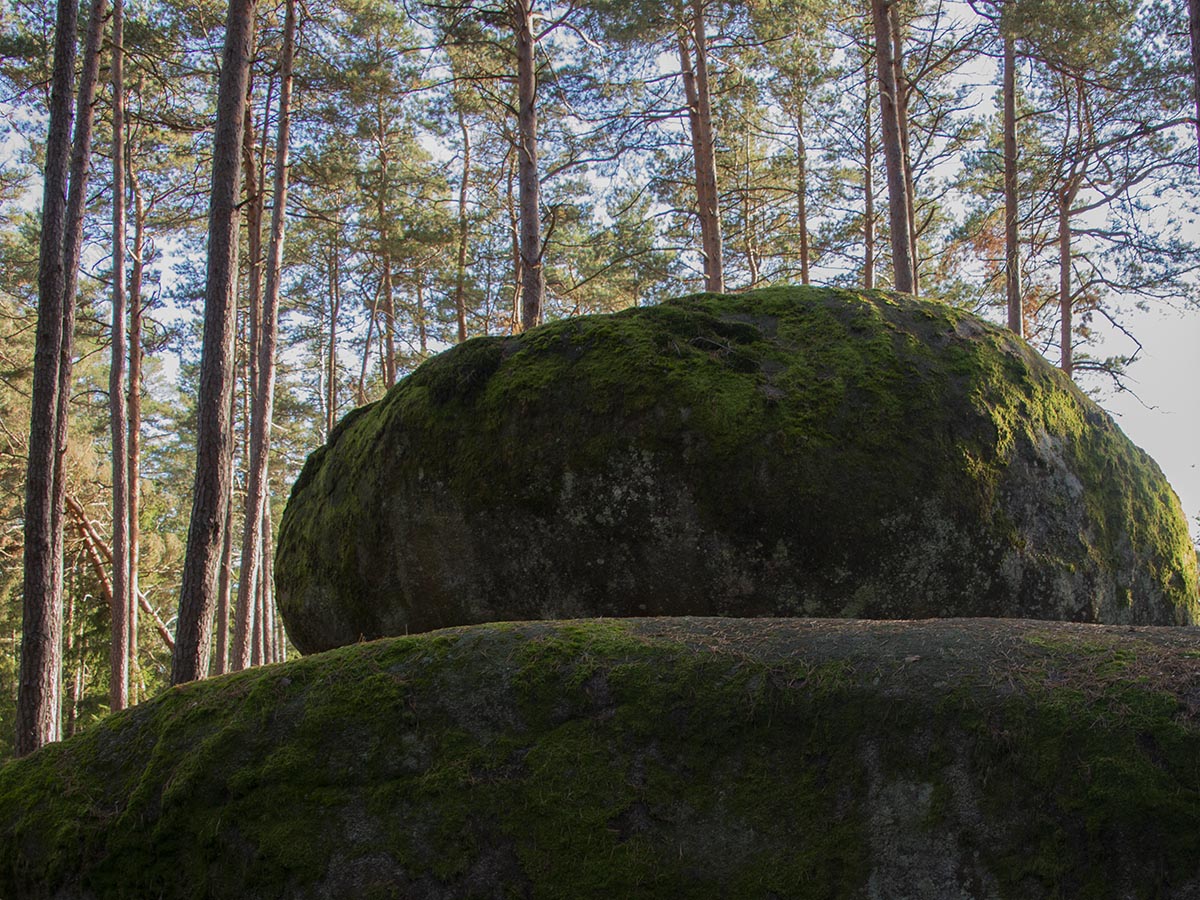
(214, 445)
(253, 547)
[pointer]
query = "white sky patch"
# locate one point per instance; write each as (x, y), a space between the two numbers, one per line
(1164, 416)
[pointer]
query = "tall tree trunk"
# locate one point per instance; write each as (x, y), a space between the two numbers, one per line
(422, 325)
(330, 362)
(1066, 358)
(40, 682)
(893, 150)
(252, 189)
(1012, 238)
(118, 694)
(135, 412)
(514, 231)
(1066, 300)
(361, 388)
(868, 184)
(902, 97)
(277, 636)
(385, 250)
(696, 93)
(460, 274)
(262, 413)
(389, 313)
(1194, 23)
(802, 190)
(220, 662)
(68, 656)
(532, 279)
(214, 450)
(37, 714)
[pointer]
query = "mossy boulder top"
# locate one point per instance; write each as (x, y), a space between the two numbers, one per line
(786, 452)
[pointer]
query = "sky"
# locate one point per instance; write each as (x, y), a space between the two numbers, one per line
(1164, 416)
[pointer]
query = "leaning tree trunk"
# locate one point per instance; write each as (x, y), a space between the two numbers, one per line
(37, 714)
(1012, 246)
(118, 694)
(264, 394)
(893, 150)
(214, 446)
(533, 286)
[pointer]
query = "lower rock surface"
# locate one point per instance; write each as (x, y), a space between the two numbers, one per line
(690, 757)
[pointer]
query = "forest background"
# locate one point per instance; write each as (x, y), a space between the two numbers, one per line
(407, 204)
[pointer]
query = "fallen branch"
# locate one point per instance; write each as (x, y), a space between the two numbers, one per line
(96, 548)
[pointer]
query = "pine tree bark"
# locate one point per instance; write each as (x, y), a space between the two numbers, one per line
(1012, 238)
(1066, 357)
(868, 275)
(118, 694)
(696, 94)
(330, 362)
(514, 233)
(529, 185)
(135, 408)
(211, 493)
(460, 274)
(253, 546)
(252, 181)
(65, 188)
(893, 149)
(802, 190)
(37, 714)
(903, 92)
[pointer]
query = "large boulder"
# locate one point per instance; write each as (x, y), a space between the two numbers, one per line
(786, 452)
(640, 759)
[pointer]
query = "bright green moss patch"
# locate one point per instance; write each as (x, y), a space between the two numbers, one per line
(643, 758)
(790, 451)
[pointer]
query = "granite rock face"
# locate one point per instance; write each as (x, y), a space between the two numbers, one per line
(653, 758)
(784, 452)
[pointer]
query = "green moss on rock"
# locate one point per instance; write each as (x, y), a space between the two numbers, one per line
(791, 451)
(644, 758)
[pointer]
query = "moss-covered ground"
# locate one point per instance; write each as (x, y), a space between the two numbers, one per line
(641, 758)
(789, 451)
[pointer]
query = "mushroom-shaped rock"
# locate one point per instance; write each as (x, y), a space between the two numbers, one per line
(783, 452)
